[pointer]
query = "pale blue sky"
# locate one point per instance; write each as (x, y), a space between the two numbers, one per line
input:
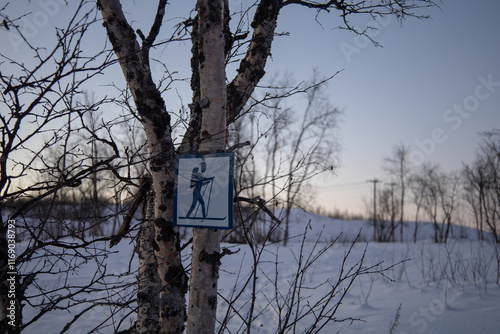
(400, 93)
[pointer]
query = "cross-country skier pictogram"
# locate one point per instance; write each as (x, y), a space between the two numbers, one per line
(197, 183)
(203, 195)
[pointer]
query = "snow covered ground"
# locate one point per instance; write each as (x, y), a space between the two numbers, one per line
(438, 288)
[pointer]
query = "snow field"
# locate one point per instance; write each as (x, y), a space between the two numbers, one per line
(427, 288)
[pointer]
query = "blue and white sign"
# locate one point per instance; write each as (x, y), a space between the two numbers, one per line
(203, 193)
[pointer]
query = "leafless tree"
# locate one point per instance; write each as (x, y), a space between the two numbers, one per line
(39, 99)
(417, 186)
(439, 192)
(398, 166)
(288, 164)
(475, 185)
(209, 28)
(42, 94)
(48, 151)
(386, 214)
(482, 184)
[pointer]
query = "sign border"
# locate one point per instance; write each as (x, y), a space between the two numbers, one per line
(230, 155)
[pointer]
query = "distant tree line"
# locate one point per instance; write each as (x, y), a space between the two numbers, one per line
(470, 196)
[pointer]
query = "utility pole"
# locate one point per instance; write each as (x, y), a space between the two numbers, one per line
(393, 214)
(374, 181)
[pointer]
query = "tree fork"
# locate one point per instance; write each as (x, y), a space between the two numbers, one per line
(134, 62)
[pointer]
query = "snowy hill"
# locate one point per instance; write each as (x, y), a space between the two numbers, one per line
(331, 228)
(393, 288)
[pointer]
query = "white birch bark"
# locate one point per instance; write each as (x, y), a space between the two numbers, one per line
(149, 284)
(134, 61)
(206, 242)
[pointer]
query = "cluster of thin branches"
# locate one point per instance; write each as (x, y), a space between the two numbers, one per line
(65, 175)
(295, 305)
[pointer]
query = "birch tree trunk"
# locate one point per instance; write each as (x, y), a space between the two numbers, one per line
(205, 260)
(134, 61)
(206, 133)
(149, 284)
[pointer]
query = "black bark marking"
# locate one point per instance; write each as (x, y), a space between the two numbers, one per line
(191, 141)
(176, 277)
(214, 12)
(213, 260)
(201, 58)
(159, 160)
(172, 306)
(205, 134)
(150, 272)
(212, 302)
(167, 232)
(156, 169)
(265, 13)
(155, 246)
(169, 189)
